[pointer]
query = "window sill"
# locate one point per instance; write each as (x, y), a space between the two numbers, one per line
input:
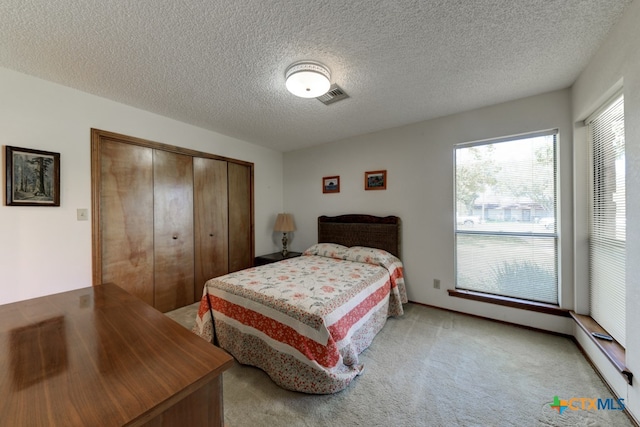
(510, 302)
(611, 349)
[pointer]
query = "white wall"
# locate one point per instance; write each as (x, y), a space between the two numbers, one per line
(616, 63)
(44, 250)
(419, 163)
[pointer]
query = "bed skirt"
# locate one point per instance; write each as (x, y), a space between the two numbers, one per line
(289, 372)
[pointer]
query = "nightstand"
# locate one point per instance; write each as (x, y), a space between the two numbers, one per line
(274, 257)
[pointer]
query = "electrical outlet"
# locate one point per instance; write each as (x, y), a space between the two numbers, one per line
(436, 283)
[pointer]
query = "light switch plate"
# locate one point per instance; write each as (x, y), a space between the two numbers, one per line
(83, 214)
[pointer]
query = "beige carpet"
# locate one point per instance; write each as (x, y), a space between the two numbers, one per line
(433, 368)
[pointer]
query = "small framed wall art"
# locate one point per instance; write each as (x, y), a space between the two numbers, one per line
(375, 180)
(331, 184)
(33, 177)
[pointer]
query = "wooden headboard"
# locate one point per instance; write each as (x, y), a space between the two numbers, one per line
(361, 230)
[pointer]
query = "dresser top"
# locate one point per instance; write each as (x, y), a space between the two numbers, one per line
(97, 356)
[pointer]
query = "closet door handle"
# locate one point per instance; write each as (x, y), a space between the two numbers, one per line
(210, 234)
(175, 236)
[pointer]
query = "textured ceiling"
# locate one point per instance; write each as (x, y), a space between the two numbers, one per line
(220, 64)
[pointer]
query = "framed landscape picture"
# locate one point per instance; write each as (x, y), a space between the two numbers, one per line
(331, 184)
(375, 180)
(33, 177)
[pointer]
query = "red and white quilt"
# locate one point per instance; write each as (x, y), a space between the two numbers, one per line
(305, 320)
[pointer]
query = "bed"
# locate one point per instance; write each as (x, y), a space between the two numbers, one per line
(305, 320)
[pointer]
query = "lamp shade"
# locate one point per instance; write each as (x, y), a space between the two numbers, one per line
(284, 223)
(308, 79)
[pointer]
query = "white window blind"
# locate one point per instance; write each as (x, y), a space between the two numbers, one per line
(506, 229)
(607, 241)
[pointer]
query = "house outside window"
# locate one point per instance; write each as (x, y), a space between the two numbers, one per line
(506, 228)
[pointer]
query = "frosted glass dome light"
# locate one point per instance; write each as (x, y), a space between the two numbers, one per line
(307, 79)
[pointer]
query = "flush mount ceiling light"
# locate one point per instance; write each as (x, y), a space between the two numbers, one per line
(307, 79)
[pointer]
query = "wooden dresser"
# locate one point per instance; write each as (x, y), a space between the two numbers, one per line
(101, 357)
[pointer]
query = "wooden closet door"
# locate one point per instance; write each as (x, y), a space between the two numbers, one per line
(126, 218)
(240, 217)
(173, 230)
(211, 220)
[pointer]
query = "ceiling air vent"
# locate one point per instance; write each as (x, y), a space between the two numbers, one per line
(335, 94)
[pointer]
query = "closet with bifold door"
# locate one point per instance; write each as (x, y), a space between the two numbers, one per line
(167, 219)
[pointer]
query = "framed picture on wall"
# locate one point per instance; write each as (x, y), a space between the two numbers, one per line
(331, 184)
(375, 180)
(33, 177)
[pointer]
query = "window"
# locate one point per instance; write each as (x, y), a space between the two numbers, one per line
(506, 228)
(607, 230)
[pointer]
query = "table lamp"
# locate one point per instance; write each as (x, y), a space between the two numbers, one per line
(284, 223)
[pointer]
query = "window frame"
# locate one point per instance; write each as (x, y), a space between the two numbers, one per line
(611, 241)
(555, 235)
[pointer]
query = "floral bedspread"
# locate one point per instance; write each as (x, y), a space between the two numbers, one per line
(305, 320)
